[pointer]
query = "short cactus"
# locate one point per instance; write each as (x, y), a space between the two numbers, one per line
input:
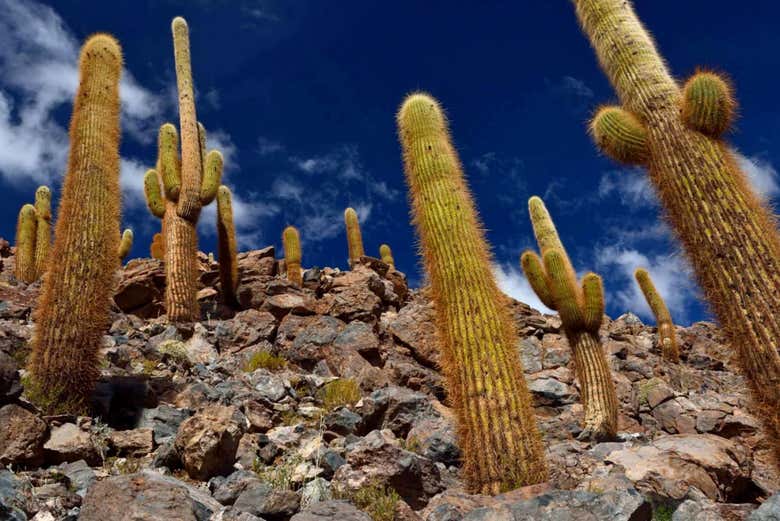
(501, 445)
(386, 254)
(73, 309)
(291, 242)
(43, 229)
(668, 340)
(157, 248)
(25, 244)
(581, 308)
(354, 238)
(125, 244)
(226, 236)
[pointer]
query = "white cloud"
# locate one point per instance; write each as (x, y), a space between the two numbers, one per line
(512, 282)
(218, 139)
(631, 186)
(268, 146)
(761, 175)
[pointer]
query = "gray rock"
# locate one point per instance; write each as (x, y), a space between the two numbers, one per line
(226, 490)
(550, 391)
(265, 501)
(270, 386)
(10, 383)
(13, 494)
(164, 422)
(315, 491)
(80, 475)
(436, 439)
(530, 350)
(342, 421)
(768, 511)
(395, 408)
(70, 443)
(332, 511)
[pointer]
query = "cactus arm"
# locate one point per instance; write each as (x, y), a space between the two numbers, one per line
(212, 176)
(154, 199)
(593, 297)
(564, 290)
(291, 242)
(25, 244)
(42, 229)
(354, 237)
(537, 277)
(620, 135)
(708, 104)
(226, 236)
(169, 165)
(125, 244)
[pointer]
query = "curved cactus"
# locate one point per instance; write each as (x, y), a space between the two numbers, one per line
(226, 236)
(43, 229)
(501, 445)
(581, 308)
(386, 254)
(25, 244)
(125, 244)
(73, 310)
(668, 340)
(729, 235)
(354, 237)
(291, 242)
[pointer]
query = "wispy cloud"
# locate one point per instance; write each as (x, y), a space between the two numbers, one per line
(513, 283)
(631, 186)
(761, 175)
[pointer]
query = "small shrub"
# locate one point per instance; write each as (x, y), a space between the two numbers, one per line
(279, 475)
(343, 391)
(662, 513)
(264, 360)
(378, 501)
(174, 349)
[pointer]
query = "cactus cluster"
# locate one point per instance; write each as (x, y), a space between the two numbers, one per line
(498, 434)
(581, 308)
(33, 237)
(728, 234)
(667, 339)
(386, 254)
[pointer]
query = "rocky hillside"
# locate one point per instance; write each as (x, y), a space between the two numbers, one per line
(324, 403)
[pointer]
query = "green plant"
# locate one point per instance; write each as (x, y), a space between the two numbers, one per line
(502, 448)
(291, 242)
(73, 309)
(668, 340)
(378, 501)
(354, 237)
(663, 513)
(728, 233)
(226, 238)
(264, 360)
(280, 475)
(343, 391)
(386, 254)
(25, 244)
(175, 350)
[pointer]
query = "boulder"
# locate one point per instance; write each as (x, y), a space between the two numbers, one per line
(331, 511)
(141, 290)
(21, 437)
(262, 500)
(207, 442)
(68, 443)
(134, 443)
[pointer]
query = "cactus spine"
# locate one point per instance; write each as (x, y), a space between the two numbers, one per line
(25, 244)
(581, 308)
(226, 235)
(43, 229)
(668, 340)
(125, 244)
(386, 254)
(292, 255)
(354, 237)
(498, 433)
(73, 310)
(729, 236)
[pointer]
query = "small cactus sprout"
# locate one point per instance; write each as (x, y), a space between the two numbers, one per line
(125, 244)
(581, 308)
(43, 229)
(620, 135)
(157, 248)
(708, 104)
(25, 244)
(386, 254)
(354, 238)
(669, 348)
(226, 236)
(291, 242)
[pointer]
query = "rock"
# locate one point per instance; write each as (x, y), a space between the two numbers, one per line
(10, 383)
(435, 439)
(360, 337)
(768, 511)
(199, 350)
(342, 421)
(395, 408)
(414, 325)
(331, 511)
(270, 386)
(550, 391)
(141, 289)
(207, 442)
(313, 340)
(134, 443)
(315, 491)
(21, 437)
(260, 418)
(701, 509)
(13, 497)
(377, 459)
(146, 496)
(246, 329)
(281, 305)
(265, 501)
(226, 490)
(69, 443)
(80, 476)
(164, 422)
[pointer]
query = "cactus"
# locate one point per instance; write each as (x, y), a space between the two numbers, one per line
(729, 235)
(73, 310)
(291, 242)
(226, 235)
(668, 340)
(501, 445)
(354, 238)
(125, 244)
(157, 248)
(581, 308)
(386, 254)
(178, 189)
(43, 229)
(25, 244)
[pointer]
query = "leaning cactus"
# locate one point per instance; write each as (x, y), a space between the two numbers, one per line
(226, 236)
(730, 236)
(663, 319)
(73, 310)
(581, 308)
(354, 238)
(501, 445)
(179, 188)
(386, 254)
(291, 242)
(42, 229)
(25, 244)
(125, 244)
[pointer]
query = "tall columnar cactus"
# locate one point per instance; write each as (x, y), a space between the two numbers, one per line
(42, 229)
(581, 308)
(502, 448)
(386, 254)
(125, 244)
(73, 310)
(291, 242)
(226, 236)
(354, 238)
(188, 184)
(157, 248)
(729, 235)
(25, 244)
(668, 340)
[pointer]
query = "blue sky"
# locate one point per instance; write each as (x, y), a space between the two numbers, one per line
(300, 96)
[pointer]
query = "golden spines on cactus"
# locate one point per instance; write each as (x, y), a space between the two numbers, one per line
(354, 237)
(125, 244)
(501, 445)
(226, 236)
(727, 232)
(581, 308)
(620, 135)
(667, 339)
(25, 244)
(386, 254)
(73, 310)
(291, 242)
(157, 248)
(42, 229)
